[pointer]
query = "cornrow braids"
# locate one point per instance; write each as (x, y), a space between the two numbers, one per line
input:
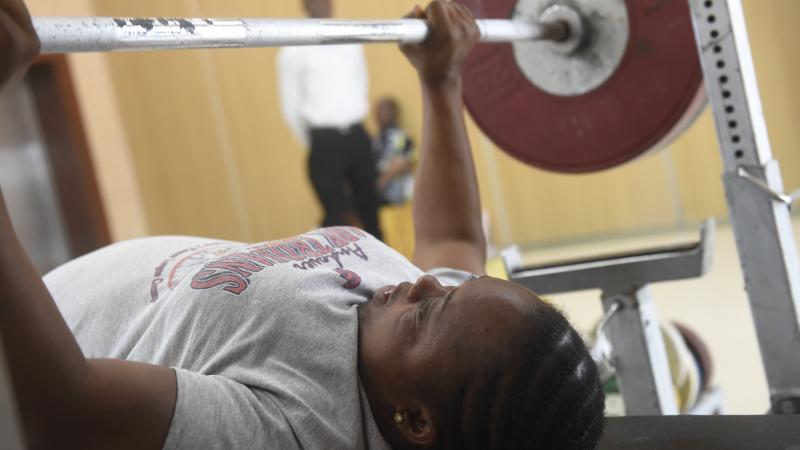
(550, 397)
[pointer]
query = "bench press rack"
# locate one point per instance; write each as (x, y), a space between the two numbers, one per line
(759, 214)
(759, 211)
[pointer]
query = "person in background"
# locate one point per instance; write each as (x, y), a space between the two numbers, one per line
(394, 155)
(324, 98)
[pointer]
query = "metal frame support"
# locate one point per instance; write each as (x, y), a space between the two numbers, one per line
(611, 272)
(639, 356)
(758, 210)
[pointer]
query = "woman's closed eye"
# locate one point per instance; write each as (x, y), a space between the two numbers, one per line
(422, 310)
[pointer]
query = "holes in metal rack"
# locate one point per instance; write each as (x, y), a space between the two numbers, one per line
(732, 124)
(723, 80)
(711, 19)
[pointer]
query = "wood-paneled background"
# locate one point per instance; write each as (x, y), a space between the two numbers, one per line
(200, 140)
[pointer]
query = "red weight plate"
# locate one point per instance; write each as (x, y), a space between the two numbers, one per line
(700, 351)
(648, 99)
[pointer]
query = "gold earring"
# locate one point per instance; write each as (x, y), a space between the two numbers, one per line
(398, 418)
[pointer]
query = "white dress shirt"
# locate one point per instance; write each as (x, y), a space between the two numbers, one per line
(322, 87)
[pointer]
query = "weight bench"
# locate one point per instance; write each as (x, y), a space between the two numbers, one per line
(702, 433)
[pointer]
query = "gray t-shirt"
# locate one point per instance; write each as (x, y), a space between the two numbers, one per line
(264, 337)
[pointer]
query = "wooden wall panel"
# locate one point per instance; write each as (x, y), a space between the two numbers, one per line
(271, 163)
(174, 143)
(214, 157)
(108, 142)
(698, 172)
(776, 44)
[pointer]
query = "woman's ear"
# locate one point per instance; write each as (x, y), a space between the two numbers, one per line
(416, 426)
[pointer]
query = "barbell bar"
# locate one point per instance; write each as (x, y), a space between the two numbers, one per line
(102, 34)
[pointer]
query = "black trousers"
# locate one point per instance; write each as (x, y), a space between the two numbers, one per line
(342, 171)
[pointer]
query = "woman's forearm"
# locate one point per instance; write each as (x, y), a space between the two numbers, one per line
(44, 360)
(446, 201)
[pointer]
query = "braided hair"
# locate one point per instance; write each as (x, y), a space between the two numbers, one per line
(547, 396)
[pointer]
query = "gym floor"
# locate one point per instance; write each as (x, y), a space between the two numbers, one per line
(715, 306)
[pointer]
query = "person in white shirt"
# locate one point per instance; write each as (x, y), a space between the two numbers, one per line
(324, 97)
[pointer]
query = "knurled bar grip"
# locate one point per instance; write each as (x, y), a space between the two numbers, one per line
(102, 34)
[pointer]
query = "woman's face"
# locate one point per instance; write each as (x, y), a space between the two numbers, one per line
(419, 342)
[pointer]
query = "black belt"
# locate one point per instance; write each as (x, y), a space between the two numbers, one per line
(348, 129)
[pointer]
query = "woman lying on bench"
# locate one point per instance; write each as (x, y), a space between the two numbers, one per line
(327, 340)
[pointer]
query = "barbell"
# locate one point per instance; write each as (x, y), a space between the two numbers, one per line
(101, 34)
(579, 86)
